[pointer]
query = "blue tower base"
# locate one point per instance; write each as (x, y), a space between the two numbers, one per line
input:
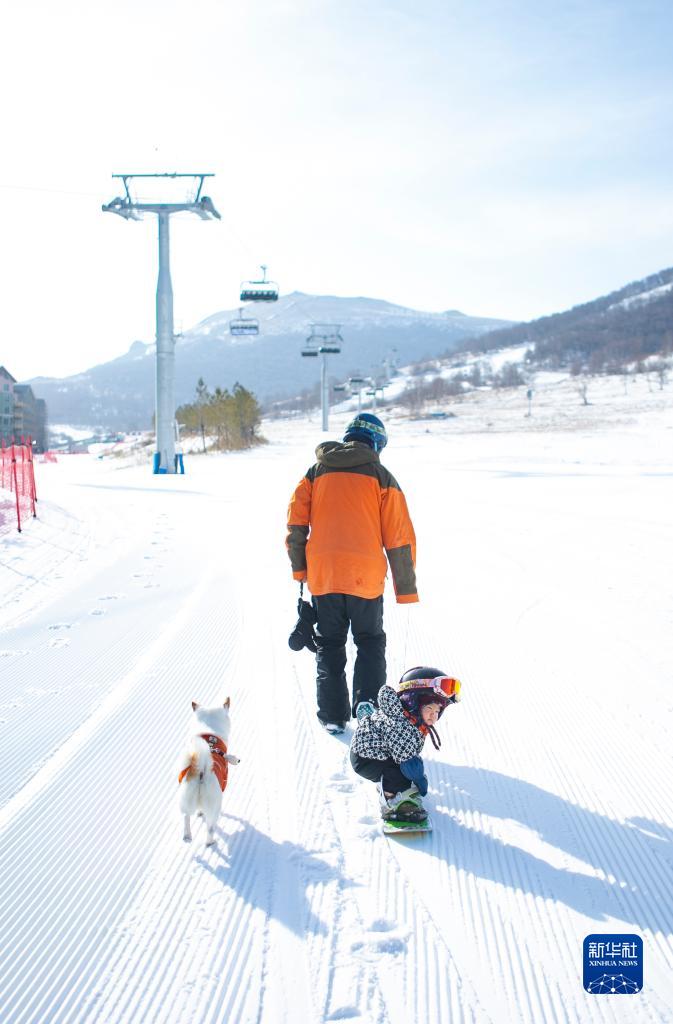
(179, 464)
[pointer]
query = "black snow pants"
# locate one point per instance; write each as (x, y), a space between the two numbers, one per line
(375, 771)
(336, 613)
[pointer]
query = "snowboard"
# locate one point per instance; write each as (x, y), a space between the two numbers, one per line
(396, 828)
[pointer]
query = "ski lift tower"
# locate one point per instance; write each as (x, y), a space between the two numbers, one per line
(324, 340)
(165, 189)
(357, 383)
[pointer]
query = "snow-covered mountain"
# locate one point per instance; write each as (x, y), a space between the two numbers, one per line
(120, 394)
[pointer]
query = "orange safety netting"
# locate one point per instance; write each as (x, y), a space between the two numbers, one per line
(17, 485)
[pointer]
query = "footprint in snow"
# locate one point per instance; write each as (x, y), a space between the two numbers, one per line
(60, 641)
(382, 937)
(110, 597)
(61, 625)
(97, 611)
(339, 782)
(381, 925)
(346, 1013)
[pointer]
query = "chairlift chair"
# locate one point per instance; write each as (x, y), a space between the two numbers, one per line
(310, 348)
(327, 338)
(243, 326)
(259, 291)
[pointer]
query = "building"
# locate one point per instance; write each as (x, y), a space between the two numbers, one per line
(30, 417)
(7, 384)
(22, 415)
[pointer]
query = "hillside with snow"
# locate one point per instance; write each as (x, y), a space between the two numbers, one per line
(608, 334)
(541, 544)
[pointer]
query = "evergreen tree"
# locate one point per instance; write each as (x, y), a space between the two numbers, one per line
(232, 417)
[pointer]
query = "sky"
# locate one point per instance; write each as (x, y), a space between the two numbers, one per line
(504, 158)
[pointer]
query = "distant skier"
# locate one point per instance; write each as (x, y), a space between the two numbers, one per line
(343, 514)
(387, 743)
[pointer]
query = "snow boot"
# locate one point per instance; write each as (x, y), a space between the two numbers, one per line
(406, 806)
(334, 728)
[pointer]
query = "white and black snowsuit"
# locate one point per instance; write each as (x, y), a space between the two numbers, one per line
(385, 739)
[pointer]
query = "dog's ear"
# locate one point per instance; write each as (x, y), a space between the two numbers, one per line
(227, 702)
(194, 705)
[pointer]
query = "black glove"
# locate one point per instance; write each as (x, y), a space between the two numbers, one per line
(302, 635)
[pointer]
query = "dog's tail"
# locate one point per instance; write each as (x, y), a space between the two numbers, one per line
(198, 760)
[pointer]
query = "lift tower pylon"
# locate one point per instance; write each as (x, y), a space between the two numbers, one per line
(324, 340)
(132, 206)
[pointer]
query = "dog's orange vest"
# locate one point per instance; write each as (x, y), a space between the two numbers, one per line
(218, 749)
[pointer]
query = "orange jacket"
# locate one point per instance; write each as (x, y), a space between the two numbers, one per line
(343, 514)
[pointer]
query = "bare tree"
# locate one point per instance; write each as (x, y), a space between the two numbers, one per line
(582, 387)
(661, 368)
(509, 376)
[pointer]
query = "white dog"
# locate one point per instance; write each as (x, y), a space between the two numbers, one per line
(203, 769)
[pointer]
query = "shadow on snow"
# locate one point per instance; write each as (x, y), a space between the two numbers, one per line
(272, 876)
(628, 863)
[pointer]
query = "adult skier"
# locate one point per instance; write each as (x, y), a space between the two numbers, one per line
(344, 514)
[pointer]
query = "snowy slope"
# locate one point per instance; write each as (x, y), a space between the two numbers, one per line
(539, 566)
(644, 297)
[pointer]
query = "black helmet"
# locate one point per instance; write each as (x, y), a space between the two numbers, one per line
(425, 685)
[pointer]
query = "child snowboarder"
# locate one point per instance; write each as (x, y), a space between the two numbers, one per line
(387, 743)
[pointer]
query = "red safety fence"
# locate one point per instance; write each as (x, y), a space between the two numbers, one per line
(17, 485)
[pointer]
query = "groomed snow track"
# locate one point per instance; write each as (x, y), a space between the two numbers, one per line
(302, 911)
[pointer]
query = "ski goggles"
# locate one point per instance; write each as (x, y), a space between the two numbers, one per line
(444, 686)
(373, 428)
